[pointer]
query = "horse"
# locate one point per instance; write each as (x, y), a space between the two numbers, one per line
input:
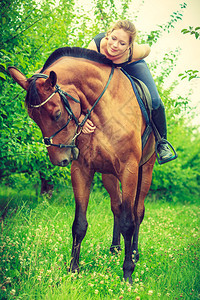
(76, 81)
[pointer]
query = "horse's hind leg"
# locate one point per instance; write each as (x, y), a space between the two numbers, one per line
(127, 218)
(144, 183)
(111, 184)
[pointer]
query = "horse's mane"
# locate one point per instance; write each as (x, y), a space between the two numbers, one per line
(76, 52)
(32, 96)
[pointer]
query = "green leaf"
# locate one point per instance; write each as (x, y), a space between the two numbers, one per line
(2, 76)
(183, 77)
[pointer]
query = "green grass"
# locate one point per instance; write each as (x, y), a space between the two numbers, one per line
(36, 243)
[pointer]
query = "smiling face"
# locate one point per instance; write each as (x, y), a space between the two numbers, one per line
(118, 43)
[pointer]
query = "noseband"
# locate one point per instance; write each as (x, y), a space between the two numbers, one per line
(48, 140)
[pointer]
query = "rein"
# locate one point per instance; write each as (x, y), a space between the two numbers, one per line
(48, 141)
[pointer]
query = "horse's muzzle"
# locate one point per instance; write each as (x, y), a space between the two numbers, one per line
(74, 156)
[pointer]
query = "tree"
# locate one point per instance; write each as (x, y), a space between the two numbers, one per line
(34, 29)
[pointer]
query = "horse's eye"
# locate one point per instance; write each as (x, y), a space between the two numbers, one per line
(57, 116)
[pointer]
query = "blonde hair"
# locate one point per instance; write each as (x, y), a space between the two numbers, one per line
(127, 26)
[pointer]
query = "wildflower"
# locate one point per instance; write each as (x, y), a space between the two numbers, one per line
(90, 284)
(3, 288)
(150, 293)
(96, 291)
(8, 280)
(12, 292)
(137, 298)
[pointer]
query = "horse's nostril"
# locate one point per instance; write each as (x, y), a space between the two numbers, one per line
(64, 163)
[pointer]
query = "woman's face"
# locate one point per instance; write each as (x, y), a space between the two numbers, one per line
(118, 42)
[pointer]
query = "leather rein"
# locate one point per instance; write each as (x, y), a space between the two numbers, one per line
(48, 141)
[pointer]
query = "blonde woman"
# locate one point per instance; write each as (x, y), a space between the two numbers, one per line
(119, 45)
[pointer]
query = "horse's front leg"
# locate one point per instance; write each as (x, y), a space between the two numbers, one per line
(81, 182)
(127, 219)
(111, 184)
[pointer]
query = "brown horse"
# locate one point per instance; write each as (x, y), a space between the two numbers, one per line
(77, 81)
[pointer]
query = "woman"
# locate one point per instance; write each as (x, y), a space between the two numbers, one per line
(119, 45)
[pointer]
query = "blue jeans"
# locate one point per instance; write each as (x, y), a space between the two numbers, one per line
(140, 70)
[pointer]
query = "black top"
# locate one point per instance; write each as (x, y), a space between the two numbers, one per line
(97, 39)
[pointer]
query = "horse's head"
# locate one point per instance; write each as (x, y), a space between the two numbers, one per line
(54, 112)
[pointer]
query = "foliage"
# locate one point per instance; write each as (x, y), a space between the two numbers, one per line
(191, 74)
(174, 18)
(193, 31)
(178, 179)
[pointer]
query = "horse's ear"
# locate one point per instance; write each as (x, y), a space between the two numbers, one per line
(19, 77)
(51, 80)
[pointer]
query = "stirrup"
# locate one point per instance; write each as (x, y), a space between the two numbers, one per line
(164, 141)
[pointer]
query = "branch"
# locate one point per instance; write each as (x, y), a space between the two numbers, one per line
(26, 28)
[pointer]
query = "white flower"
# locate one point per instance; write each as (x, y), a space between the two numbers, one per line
(150, 293)
(12, 292)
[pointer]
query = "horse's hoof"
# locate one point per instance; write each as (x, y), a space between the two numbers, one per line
(115, 249)
(74, 268)
(136, 256)
(129, 279)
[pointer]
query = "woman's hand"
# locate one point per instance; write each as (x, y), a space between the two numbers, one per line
(88, 127)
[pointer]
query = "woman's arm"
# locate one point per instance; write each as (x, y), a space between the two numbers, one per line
(140, 51)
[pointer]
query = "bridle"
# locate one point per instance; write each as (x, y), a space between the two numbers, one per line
(48, 141)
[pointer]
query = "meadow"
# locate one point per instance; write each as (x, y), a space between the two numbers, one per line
(35, 246)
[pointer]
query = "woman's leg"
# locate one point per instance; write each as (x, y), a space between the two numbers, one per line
(141, 71)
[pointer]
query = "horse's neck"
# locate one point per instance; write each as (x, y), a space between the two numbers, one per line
(92, 80)
(83, 78)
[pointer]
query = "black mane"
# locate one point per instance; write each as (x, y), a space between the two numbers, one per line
(76, 52)
(32, 96)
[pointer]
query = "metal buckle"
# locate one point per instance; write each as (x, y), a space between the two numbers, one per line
(47, 141)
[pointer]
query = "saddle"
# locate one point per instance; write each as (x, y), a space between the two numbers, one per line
(144, 99)
(145, 102)
(144, 95)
